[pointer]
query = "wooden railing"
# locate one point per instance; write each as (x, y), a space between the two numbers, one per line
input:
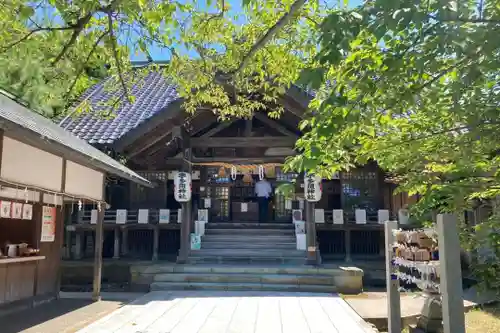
(154, 239)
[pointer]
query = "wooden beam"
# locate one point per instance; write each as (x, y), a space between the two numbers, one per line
(241, 142)
(274, 124)
(217, 129)
(175, 161)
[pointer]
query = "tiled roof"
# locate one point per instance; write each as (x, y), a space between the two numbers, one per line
(17, 117)
(152, 95)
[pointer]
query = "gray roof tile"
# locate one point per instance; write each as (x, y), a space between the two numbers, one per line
(153, 95)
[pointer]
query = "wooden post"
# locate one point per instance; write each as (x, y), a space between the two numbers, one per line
(451, 274)
(347, 240)
(312, 258)
(116, 248)
(156, 241)
(393, 297)
(124, 241)
(186, 206)
(78, 245)
(99, 233)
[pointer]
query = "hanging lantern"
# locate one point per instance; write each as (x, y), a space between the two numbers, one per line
(247, 178)
(222, 172)
(261, 172)
(80, 205)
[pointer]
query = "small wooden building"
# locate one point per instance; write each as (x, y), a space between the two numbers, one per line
(42, 167)
(158, 138)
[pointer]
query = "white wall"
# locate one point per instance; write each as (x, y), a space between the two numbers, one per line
(83, 181)
(25, 164)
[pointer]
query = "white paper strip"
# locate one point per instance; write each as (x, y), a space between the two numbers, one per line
(121, 216)
(27, 211)
(93, 216)
(383, 215)
(338, 216)
(203, 215)
(164, 216)
(288, 204)
(199, 228)
(143, 216)
(301, 242)
(360, 216)
(244, 207)
(319, 215)
(179, 215)
(207, 203)
(17, 210)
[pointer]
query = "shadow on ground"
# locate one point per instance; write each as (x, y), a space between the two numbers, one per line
(61, 316)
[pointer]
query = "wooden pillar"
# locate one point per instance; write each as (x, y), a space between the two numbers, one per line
(124, 241)
(393, 297)
(78, 245)
(312, 256)
(99, 237)
(116, 248)
(186, 206)
(347, 240)
(451, 274)
(156, 242)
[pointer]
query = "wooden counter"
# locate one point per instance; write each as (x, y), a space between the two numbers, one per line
(18, 277)
(6, 261)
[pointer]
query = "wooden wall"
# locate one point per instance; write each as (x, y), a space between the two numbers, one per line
(25, 280)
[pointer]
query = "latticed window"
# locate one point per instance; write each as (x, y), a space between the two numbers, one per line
(360, 190)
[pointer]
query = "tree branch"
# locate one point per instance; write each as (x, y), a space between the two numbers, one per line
(80, 72)
(34, 31)
(115, 55)
(77, 29)
(283, 21)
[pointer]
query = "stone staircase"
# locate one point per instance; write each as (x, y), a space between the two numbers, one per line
(249, 256)
(245, 243)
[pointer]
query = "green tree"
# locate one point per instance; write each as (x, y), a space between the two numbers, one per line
(52, 50)
(413, 85)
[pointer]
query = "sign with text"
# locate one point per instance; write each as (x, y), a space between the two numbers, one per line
(182, 186)
(48, 224)
(312, 188)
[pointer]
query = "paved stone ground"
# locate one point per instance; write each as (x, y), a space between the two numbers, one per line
(61, 316)
(233, 312)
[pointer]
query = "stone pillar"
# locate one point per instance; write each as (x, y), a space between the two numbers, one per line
(116, 248)
(450, 274)
(392, 281)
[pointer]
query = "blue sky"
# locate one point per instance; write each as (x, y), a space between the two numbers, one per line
(236, 6)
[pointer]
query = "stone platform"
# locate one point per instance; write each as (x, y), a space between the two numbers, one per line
(300, 278)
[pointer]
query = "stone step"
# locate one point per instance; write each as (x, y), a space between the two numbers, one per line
(266, 239)
(248, 253)
(159, 286)
(249, 260)
(249, 225)
(327, 280)
(247, 245)
(250, 232)
(243, 269)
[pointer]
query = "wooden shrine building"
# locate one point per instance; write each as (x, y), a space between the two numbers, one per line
(158, 138)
